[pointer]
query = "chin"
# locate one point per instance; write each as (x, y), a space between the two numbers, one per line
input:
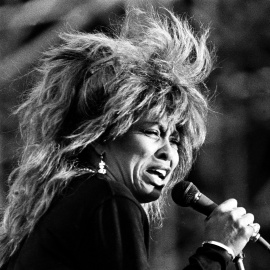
(148, 197)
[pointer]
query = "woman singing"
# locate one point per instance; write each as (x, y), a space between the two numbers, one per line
(112, 124)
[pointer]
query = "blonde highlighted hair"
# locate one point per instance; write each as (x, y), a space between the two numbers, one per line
(94, 87)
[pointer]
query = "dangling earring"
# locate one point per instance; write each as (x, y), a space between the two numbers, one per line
(102, 165)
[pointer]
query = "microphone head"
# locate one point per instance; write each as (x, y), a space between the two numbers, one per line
(183, 193)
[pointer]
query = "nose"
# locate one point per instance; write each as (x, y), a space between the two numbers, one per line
(167, 152)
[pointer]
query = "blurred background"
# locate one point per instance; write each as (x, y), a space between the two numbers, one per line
(235, 160)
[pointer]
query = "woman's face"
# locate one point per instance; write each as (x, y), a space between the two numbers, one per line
(144, 158)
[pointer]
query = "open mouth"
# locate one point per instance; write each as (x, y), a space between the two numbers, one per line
(158, 172)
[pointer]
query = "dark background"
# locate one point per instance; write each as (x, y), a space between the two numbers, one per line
(235, 160)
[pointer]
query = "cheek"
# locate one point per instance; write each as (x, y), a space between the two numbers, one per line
(176, 159)
(135, 154)
(133, 145)
(175, 163)
(129, 151)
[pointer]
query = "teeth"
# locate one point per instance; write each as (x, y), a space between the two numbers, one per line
(162, 172)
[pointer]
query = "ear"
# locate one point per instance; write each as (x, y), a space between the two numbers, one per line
(99, 148)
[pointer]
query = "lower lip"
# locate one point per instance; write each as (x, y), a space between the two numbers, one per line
(155, 176)
(155, 185)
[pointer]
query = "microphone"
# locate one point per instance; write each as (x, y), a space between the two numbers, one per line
(187, 194)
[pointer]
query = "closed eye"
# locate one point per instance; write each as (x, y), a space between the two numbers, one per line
(151, 132)
(175, 141)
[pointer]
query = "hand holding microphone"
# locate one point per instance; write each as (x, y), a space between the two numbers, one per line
(229, 224)
(226, 223)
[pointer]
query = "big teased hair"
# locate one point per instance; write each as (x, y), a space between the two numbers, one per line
(94, 87)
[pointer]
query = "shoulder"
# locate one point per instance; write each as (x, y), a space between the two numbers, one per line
(98, 186)
(90, 192)
(87, 197)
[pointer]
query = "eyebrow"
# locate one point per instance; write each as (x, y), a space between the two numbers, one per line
(174, 132)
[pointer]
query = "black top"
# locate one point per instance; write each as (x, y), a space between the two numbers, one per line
(96, 224)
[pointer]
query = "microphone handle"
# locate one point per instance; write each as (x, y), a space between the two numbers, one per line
(203, 204)
(260, 240)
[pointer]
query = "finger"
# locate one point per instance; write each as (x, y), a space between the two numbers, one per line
(256, 228)
(246, 220)
(228, 205)
(243, 225)
(238, 212)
